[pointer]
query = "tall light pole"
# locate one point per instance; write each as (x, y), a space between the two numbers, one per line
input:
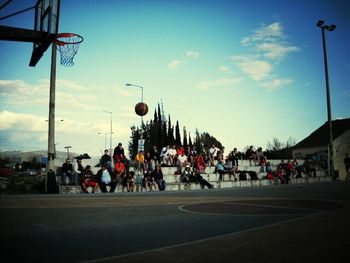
(111, 132)
(133, 85)
(138, 86)
(68, 147)
(324, 27)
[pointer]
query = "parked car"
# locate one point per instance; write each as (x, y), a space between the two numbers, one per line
(28, 172)
(5, 172)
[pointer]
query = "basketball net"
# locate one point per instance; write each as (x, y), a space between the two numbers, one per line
(68, 45)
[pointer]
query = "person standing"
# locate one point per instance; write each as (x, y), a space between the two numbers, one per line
(119, 154)
(106, 159)
(78, 170)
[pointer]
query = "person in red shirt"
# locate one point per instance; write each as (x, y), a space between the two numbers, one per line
(200, 163)
(119, 174)
(88, 180)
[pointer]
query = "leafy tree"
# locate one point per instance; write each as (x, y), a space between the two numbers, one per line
(280, 150)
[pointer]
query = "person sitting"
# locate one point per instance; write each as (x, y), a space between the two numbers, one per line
(181, 162)
(200, 163)
(186, 174)
(164, 155)
(155, 158)
(67, 172)
(148, 162)
(88, 180)
(130, 181)
(147, 180)
(250, 155)
(233, 156)
(221, 169)
(268, 170)
(138, 182)
(280, 175)
(199, 179)
(172, 155)
(260, 157)
(213, 153)
(140, 160)
(104, 179)
(192, 156)
(120, 174)
(158, 178)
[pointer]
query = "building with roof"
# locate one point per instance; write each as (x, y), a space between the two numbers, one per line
(316, 145)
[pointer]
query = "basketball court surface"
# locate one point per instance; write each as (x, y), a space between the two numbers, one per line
(285, 223)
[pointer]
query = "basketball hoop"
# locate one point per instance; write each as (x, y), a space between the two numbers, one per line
(68, 45)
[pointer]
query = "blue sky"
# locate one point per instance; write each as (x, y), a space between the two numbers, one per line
(244, 71)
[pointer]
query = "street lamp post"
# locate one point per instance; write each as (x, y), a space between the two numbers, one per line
(133, 85)
(324, 27)
(51, 123)
(137, 86)
(68, 147)
(111, 132)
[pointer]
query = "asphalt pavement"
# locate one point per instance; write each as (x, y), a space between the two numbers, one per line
(280, 223)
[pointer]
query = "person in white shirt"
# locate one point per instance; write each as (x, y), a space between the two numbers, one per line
(172, 155)
(213, 153)
(181, 162)
(164, 154)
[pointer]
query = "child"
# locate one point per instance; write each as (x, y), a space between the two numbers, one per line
(138, 182)
(130, 181)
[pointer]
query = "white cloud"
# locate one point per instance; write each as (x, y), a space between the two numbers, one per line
(192, 54)
(270, 32)
(21, 122)
(275, 50)
(175, 64)
(219, 83)
(255, 69)
(276, 83)
(267, 46)
(224, 69)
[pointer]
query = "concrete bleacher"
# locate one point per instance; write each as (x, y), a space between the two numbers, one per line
(173, 182)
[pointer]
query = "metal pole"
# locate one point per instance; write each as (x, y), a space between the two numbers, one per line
(51, 132)
(329, 113)
(110, 140)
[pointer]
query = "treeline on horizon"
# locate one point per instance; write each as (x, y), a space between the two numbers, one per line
(161, 132)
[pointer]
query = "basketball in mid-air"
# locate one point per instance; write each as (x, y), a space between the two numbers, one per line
(141, 109)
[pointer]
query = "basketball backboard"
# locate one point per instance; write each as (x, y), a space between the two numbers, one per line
(46, 21)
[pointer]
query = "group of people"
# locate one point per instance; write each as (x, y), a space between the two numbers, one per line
(190, 164)
(114, 171)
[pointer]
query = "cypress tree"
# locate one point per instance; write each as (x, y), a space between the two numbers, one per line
(185, 137)
(189, 140)
(177, 135)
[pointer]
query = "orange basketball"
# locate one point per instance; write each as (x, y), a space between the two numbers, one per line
(141, 109)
